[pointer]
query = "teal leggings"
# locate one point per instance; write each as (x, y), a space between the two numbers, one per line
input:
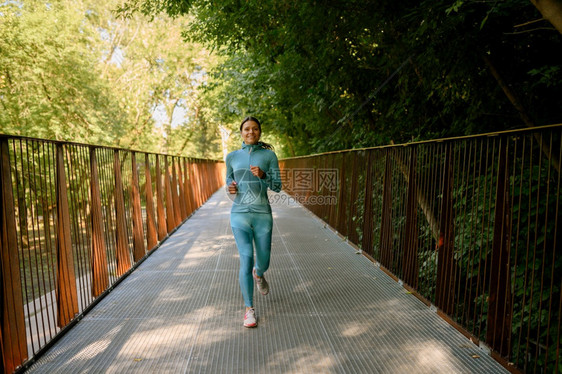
(250, 228)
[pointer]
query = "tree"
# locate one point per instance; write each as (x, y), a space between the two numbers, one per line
(49, 78)
(317, 71)
(73, 70)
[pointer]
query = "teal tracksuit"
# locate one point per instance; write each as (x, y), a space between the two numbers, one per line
(250, 216)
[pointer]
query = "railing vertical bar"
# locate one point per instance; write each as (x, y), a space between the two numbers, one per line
(462, 202)
(85, 279)
(202, 184)
(543, 265)
(186, 187)
(42, 175)
(341, 200)
(445, 251)
(151, 233)
(367, 244)
(437, 175)
(453, 265)
(194, 184)
(457, 224)
(126, 179)
(100, 276)
(552, 275)
(34, 205)
(515, 247)
(47, 182)
(20, 207)
(28, 240)
(477, 183)
(191, 186)
(535, 244)
(67, 298)
(181, 191)
(466, 231)
(426, 243)
(105, 217)
(14, 344)
(110, 221)
(161, 219)
(138, 234)
(351, 232)
(484, 230)
(73, 173)
(333, 207)
(386, 214)
(170, 213)
(410, 264)
(175, 197)
(498, 316)
(122, 242)
(528, 236)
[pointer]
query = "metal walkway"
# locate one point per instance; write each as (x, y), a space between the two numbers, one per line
(329, 311)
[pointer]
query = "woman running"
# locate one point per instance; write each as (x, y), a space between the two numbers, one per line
(250, 171)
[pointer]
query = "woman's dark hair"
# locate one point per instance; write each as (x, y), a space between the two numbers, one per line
(254, 119)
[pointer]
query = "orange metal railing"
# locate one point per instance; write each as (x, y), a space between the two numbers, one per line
(74, 220)
(471, 225)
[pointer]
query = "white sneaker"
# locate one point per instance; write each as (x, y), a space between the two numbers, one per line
(250, 318)
(262, 284)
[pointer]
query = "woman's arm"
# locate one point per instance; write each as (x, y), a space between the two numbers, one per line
(272, 174)
(229, 170)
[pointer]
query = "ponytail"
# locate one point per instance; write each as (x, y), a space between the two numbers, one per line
(266, 146)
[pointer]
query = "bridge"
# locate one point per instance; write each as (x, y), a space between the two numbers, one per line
(440, 256)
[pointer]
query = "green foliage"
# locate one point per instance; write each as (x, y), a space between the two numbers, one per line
(49, 79)
(316, 72)
(70, 70)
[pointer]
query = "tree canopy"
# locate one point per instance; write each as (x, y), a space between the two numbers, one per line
(325, 75)
(321, 75)
(72, 70)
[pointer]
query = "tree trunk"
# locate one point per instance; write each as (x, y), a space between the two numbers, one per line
(551, 10)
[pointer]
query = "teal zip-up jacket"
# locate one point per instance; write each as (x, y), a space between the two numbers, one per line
(252, 191)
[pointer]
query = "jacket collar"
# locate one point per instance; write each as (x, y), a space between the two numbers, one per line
(253, 147)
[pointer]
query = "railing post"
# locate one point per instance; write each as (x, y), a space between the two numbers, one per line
(499, 308)
(67, 297)
(160, 202)
(13, 337)
(100, 276)
(410, 263)
(151, 234)
(122, 239)
(445, 261)
(386, 256)
(138, 240)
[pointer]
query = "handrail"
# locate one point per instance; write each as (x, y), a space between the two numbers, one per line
(75, 219)
(522, 131)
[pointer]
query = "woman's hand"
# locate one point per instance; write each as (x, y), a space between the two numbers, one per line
(257, 171)
(232, 188)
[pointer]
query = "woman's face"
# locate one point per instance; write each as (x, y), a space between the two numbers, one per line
(250, 132)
